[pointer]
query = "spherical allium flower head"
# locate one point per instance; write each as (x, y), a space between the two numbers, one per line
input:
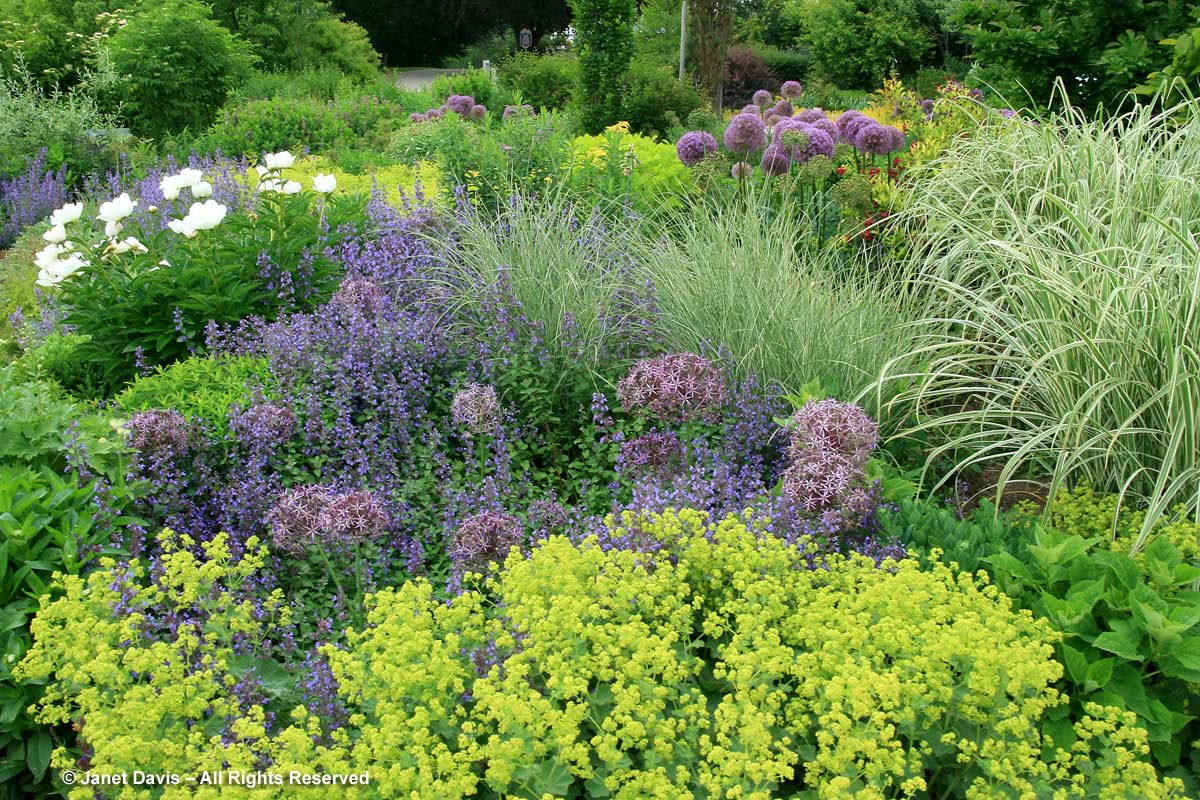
(827, 125)
(158, 431)
(811, 115)
(652, 451)
(775, 160)
(773, 119)
(460, 104)
(751, 109)
(873, 139)
(784, 108)
(476, 409)
(509, 111)
(846, 120)
(745, 134)
(530, 110)
(1007, 113)
(762, 98)
(927, 106)
(741, 171)
(833, 425)
(478, 111)
(417, 117)
(433, 113)
(352, 517)
(359, 294)
(820, 479)
(484, 537)
(548, 516)
(296, 518)
(693, 146)
(803, 141)
(975, 94)
(791, 89)
(898, 141)
(265, 424)
(677, 387)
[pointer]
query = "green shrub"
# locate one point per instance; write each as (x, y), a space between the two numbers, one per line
(18, 278)
(542, 80)
(341, 44)
(656, 100)
(786, 65)
(858, 44)
(196, 64)
(321, 83)
(48, 524)
(74, 126)
(604, 41)
(729, 668)
(267, 126)
(57, 359)
(201, 389)
(923, 526)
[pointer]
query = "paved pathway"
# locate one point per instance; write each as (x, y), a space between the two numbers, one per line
(417, 79)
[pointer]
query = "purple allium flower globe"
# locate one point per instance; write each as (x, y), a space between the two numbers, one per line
(878, 139)
(509, 111)
(484, 537)
(791, 89)
(478, 112)
(775, 160)
(833, 425)
(352, 517)
(751, 109)
(741, 171)
(677, 387)
(529, 110)
(773, 119)
(359, 294)
(693, 146)
(158, 431)
(460, 104)
(802, 141)
(811, 115)
(819, 479)
(548, 516)
(1007, 113)
(296, 518)
(476, 409)
(827, 125)
(784, 108)
(762, 98)
(846, 122)
(417, 117)
(433, 113)
(745, 134)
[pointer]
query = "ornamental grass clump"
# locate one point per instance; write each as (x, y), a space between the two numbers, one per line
(1058, 343)
(721, 666)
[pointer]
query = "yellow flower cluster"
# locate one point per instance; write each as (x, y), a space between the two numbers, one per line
(721, 666)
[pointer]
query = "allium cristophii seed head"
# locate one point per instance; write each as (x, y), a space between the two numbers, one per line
(693, 146)
(652, 451)
(677, 387)
(460, 104)
(775, 160)
(548, 516)
(484, 537)
(741, 171)
(157, 431)
(762, 98)
(833, 425)
(352, 517)
(478, 111)
(791, 89)
(359, 294)
(296, 518)
(265, 424)
(819, 479)
(476, 409)
(745, 134)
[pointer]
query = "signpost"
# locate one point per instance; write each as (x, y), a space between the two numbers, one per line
(525, 38)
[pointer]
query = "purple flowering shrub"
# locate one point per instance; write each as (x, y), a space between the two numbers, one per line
(30, 196)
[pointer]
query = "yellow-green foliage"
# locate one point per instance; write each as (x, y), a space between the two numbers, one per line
(201, 388)
(618, 162)
(721, 667)
(1091, 514)
(397, 181)
(17, 276)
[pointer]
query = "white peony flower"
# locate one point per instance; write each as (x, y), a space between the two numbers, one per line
(48, 255)
(261, 170)
(117, 209)
(202, 189)
(170, 186)
(60, 270)
(130, 243)
(324, 183)
(270, 185)
(189, 177)
(281, 160)
(207, 215)
(67, 214)
(291, 187)
(56, 235)
(111, 229)
(183, 227)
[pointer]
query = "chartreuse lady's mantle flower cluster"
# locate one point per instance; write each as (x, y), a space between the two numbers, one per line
(718, 666)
